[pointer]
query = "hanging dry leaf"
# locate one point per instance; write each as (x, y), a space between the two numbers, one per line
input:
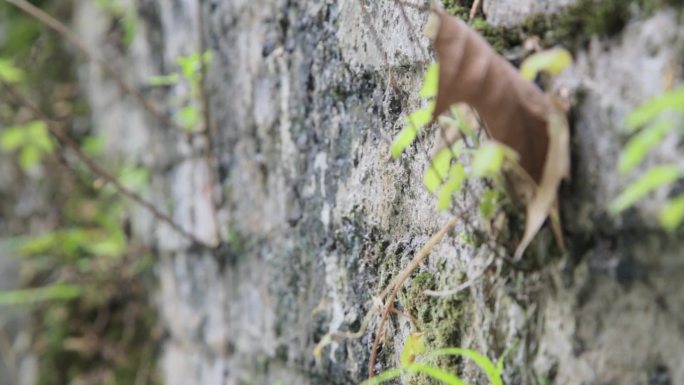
(514, 110)
(515, 113)
(556, 168)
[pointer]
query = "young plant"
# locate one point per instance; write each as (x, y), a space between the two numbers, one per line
(414, 346)
(190, 71)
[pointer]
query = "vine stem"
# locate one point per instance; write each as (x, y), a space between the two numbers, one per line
(98, 170)
(396, 284)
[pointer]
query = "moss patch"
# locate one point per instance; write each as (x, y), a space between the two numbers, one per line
(572, 27)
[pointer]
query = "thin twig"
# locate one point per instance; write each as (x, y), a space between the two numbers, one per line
(402, 277)
(98, 170)
(60, 28)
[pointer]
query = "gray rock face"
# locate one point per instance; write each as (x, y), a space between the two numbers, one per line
(315, 217)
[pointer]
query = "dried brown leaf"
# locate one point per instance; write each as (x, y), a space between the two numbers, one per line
(514, 110)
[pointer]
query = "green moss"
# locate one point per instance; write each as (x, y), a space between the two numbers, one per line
(576, 24)
(571, 27)
(455, 8)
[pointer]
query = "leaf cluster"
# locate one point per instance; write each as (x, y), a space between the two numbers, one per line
(648, 125)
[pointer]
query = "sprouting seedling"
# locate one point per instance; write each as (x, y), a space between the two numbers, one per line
(189, 70)
(649, 124)
(414, 347)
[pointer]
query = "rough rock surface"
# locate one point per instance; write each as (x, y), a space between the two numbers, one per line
(315, 217)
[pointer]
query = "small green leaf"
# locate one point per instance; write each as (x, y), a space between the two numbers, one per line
(638, 146)
(164, 80)
(430, 82)
(672, 214)
(462, 123)
(436, 373)
(189, 118)
(29, 157)
(9, 73)
(383, 377)
(489, 203)
(39, 136)
(107, 247)
(58, 292)
(93, 145)
(438, 170)
(134, 178)
(491, 370)
(421, 117)
(453, 185)
(488, 159)
(404, 139)
(413, 347)
(654, 178)
(552, 61)
(672, 100)
(12, 138)
(129, 24)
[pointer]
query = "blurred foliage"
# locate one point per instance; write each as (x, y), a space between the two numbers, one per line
(87, 282)
(190, 73)
(649, 124)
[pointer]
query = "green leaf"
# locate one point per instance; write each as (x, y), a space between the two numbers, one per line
(413, 347)
(462, 123)
(134, 178)
(29, 157)
(9, 73)
(93, 145)
(552, 61)
(430, 82)
(672, 100)
(404, 139)
(489, 203)
(189, 118)
(107, 247)
(437, 374)
(12, 138)
(638, 146)
(453, 185)
(672, 214)
(164, 80)
(437, 171)
(49, 293)
(654, 178)
(488, 159)
(383, 377)
(39, 136)
(491, 370)
(421, 117)
(129, 24)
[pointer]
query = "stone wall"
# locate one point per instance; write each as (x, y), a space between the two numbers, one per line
(315, 217)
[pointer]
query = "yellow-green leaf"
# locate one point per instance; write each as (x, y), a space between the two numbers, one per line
(672, 100)
(654, 178)
(672, 214)
(413, 347)
(430, 82)
(404, 139)
(457, 175)
(9, 73)
(436, 173)
(552, 61)
(488, 159)
(638, 146)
